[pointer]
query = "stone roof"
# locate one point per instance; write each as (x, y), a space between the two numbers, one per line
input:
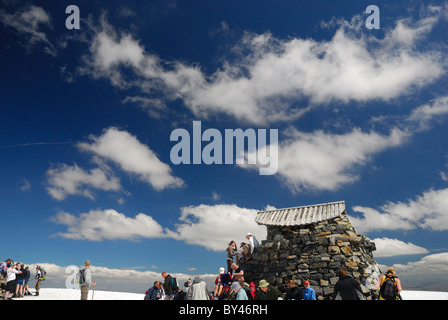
(298, 216)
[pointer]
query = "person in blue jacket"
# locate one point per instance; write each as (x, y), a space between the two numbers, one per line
(308, 292)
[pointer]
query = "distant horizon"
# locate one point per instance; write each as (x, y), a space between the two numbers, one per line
(325, 101)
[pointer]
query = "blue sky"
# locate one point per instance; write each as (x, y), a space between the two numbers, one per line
(87, 114)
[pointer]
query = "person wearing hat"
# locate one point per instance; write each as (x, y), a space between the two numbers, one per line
(238, 291)
(218, 283)
(308, 292)
(253, 242)
(38, 278)
(245, 250)
(198, 290)
(252, 291)
(267, 292)
(87, 280)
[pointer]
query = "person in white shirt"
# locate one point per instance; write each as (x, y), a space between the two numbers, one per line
(252, 241)
(10, 280)
(86, 281)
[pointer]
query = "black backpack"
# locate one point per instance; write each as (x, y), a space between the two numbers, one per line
(389, 289)
(82, 277)
(174, 285)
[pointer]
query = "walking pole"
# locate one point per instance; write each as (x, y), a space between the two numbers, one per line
(93, 292)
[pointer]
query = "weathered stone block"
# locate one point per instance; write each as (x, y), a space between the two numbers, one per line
(333, 250)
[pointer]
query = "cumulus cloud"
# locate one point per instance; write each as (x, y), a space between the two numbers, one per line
(65, 180)
(427, 211)
(28, 21)
(215, 226)
(325, 161)
(386, 247)
(116, 279)
(98, 225)
(132, 156)
(431, 264)
(211, 227)
(261, 83)
(133, 280)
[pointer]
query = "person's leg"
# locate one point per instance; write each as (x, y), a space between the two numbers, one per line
(84, 292)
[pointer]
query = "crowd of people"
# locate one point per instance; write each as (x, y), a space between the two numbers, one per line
(14, 279)
(231, 285)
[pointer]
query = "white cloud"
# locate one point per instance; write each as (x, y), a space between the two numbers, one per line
(155, 108)
(132, 156)
(67, 180)
(121, 280)
(430, 264)
(26, 186)
(213, 227)
(386, 247)
(98, 225)
(260, 85)
(427, 211)
(326, 161)
(28, 21)
(424, 115)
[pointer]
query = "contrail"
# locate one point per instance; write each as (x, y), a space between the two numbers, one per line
(33, 144)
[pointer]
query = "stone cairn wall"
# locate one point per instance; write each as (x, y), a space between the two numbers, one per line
(314, 252)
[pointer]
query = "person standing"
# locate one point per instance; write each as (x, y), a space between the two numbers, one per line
(154, 293)
(230, 255)
(253, 242)
(198, 290)
(168, 286)
(85, 280)
(27, 278)
(347, 288)
(38, 278)
(10, 280)
(20, 278)
(389, 285)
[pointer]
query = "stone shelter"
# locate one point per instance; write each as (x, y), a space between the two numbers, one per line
(312, 243)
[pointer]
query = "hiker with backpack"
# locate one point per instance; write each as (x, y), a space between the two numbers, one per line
(389, 285)
(40, 276)
(85, 280)
(170, 286)
(347, 288)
